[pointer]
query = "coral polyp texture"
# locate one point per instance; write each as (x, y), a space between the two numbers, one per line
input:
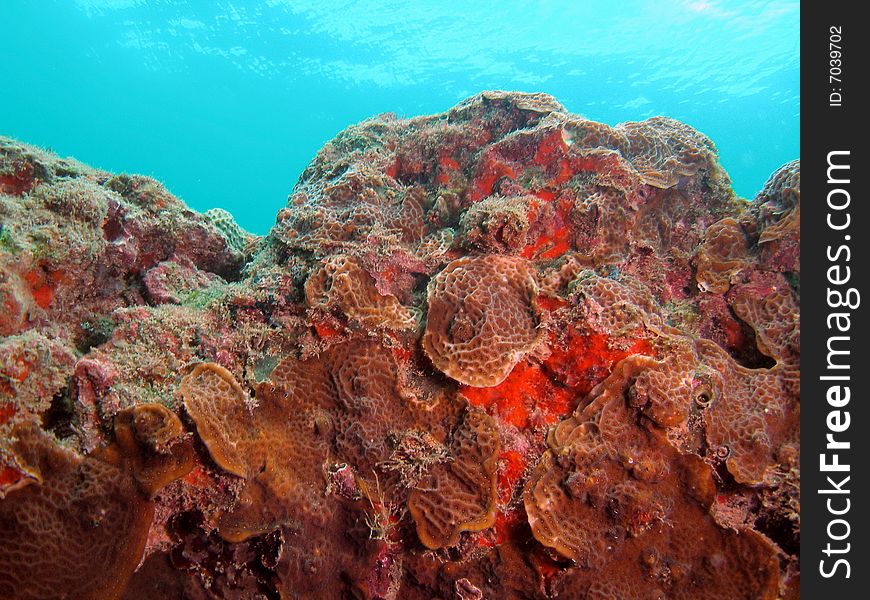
(481, 318)
(499, 352)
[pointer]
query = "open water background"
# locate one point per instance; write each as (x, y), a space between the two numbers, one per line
(225, 102)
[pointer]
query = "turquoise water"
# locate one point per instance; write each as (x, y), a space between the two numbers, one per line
(226, 102)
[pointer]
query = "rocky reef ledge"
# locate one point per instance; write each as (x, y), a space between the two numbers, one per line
(499, 352)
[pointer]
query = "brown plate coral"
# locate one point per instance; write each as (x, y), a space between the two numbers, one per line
(499, 352)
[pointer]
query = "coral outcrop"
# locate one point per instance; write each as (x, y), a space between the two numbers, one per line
(482, 318)
(75, 526)
(499, 352)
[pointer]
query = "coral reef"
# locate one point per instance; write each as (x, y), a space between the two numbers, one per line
(499, 352)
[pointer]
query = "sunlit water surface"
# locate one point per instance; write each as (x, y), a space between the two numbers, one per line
(226, 102)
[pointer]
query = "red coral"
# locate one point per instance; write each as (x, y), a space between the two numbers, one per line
(491, 168)
(526, 391)
(19, 181)
(555, 236)
(583, 361)
(43, 285)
